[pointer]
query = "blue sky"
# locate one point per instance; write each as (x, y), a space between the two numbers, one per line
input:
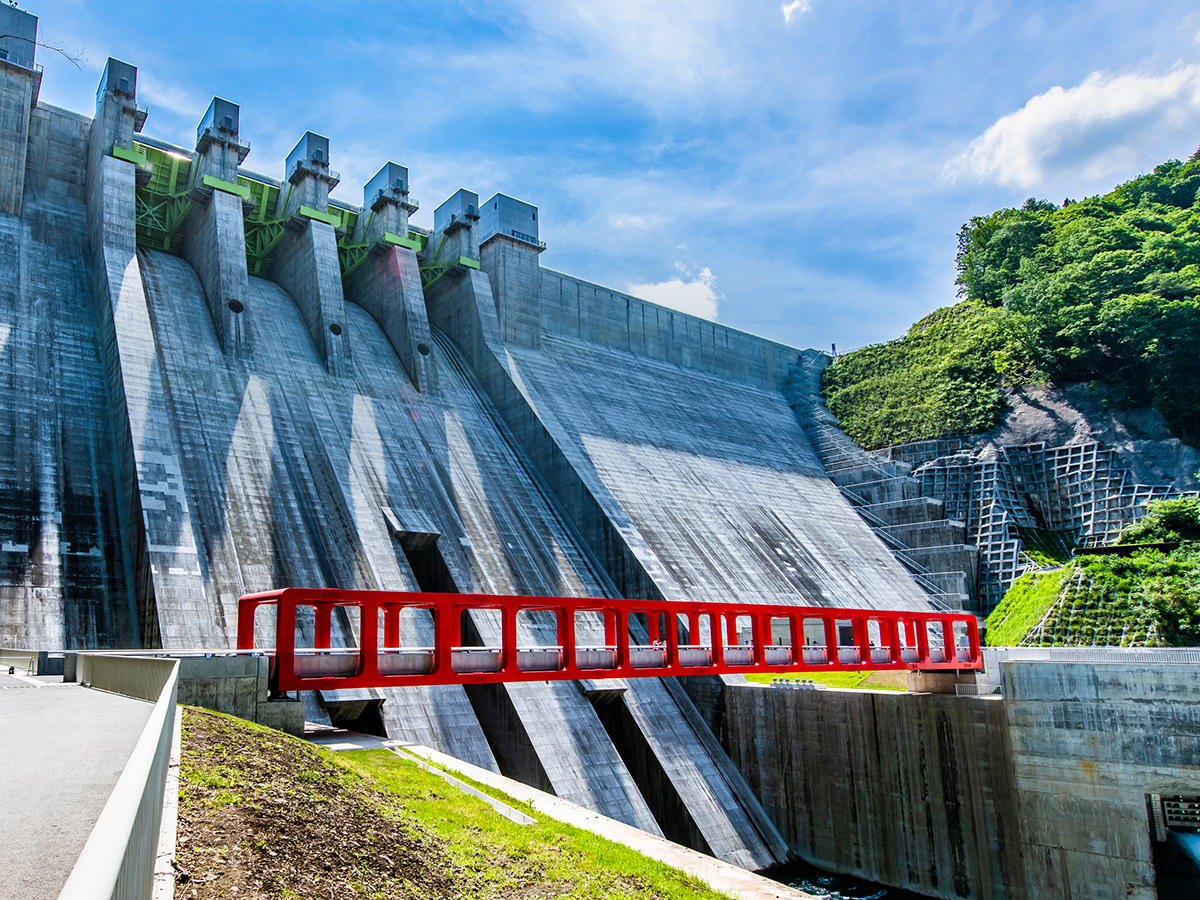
(798, 169)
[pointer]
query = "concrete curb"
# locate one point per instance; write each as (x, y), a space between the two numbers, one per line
(720, 876)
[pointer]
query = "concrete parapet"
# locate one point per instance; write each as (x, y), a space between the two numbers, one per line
(575, 308)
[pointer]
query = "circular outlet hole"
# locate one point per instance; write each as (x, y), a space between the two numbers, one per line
(423, 349)
(335, 328)
(236, 306)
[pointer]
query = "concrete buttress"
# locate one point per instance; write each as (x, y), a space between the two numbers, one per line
(172, 599)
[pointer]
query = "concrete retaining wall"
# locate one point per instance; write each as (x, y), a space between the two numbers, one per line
(907, 790)
(1040, 795)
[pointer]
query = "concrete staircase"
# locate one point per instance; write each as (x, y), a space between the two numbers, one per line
(915, 528)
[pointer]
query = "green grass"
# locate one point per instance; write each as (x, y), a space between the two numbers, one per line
(1151, 598)
(876, 681)
(549, 858)
(1047, 548)
(1023, 606)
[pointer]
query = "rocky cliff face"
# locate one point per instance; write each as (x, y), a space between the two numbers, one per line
(1080, 413)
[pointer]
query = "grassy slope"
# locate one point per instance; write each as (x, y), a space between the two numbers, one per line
(1150, 598)
(874, 681)
(263, 814)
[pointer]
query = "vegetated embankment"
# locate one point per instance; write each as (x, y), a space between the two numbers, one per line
(266, 815)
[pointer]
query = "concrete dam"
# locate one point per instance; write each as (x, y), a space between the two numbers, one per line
(219, 381)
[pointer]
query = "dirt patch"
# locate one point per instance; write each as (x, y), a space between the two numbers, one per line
(262, 815)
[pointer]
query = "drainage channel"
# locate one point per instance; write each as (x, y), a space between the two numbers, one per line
(814, 881)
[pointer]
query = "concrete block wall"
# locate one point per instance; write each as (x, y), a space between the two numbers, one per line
(1041, 794)
(1088, 743)
(906, 790)
(237, 686)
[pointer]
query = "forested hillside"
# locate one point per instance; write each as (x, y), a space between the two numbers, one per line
(1098, 290)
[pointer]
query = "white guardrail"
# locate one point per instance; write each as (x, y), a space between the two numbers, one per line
(117, 862)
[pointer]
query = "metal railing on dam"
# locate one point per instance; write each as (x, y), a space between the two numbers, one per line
(637, 638)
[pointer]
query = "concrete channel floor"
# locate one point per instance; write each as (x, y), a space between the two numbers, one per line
(62, 749)
(721, 876)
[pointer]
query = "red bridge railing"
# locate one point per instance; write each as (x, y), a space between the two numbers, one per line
(638, 640)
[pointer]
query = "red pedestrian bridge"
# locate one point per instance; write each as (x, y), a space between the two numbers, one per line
(638, 641)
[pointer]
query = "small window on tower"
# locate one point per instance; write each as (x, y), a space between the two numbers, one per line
(535, 217)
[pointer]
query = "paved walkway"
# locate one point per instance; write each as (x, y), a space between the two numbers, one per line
(62, 749)
(721, 876)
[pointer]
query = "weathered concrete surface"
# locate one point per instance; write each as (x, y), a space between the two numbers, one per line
(709, 482)
(914, 791)
(305, 265)
(1088, 743)
(18, 91)
(50, 799)
(1042, 794)
(65, 580)
(388, 286)
(214, 242)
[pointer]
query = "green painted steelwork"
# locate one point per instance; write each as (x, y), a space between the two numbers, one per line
(433, 271)
(328, 218)
(220, 184)
(351, 254)
(133, 156)
(263, 230)
(161, 203)
(414, 241)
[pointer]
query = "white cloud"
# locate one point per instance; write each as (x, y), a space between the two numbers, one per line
(697, 296)
(796, 6)
(1105, 126)
(169, 97)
